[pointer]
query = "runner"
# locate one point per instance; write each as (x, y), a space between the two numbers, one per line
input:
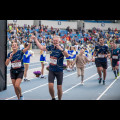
(17, 67)
(57, 54)
(101, 53)
(115, 60)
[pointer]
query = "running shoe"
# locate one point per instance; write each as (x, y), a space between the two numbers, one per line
(103, 82)
(26, 80)
(21, 98)
(53, 99)
(115, 77)
(42, 76)
(118, 74)
(82, 83)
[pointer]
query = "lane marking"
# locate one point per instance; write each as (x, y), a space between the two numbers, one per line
(47, 74)
(45, 84)
(101, 94)
(79, 83)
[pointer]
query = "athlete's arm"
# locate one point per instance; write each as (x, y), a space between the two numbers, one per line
(8, 59)
(27, 48)
(39, 45)
(63, 51)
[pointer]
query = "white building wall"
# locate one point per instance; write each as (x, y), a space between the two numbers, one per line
(22, 22)
(54, 24)
(89, 25)
(64, 24)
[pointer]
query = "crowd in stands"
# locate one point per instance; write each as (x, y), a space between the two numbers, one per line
(68, 36)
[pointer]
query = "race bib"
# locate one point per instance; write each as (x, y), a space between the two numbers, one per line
(16, 64)
(101, 56)
(115, 57)
(53, 60)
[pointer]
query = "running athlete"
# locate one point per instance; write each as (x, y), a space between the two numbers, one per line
(57, 54)
(17, 67)
(101, 52)
(115, 60)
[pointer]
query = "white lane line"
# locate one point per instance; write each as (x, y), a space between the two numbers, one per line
(76, 72)
(28, 91)
(106, 89)
(79, 83)
(45, 84)
(29, 79)
(47, 74)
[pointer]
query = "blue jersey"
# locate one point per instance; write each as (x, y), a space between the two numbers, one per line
(115, 54)
(56, 59)
(17, 60)
(26, 57)
(43, 57)
(70, 54)
(100, 51)
(74, 55)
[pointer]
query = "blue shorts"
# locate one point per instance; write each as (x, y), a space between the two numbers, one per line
(68, 58)
(42, 59)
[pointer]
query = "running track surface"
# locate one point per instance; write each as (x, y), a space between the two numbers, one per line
(37, 89)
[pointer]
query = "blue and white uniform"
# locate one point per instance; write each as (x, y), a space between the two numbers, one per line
(86, 53)
(68, 58)
(43, 57)
(70, 52)
(26, 57)
(73, 55)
